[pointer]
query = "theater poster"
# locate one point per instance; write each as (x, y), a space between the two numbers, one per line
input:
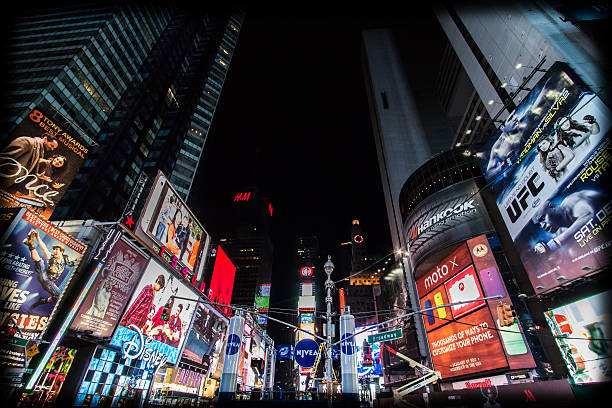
(38, 163)
(549, 166)
(108, 296)
(37, 261)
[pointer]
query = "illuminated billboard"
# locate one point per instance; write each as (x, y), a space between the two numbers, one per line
(547, 165)
(208, 329)
(143, 318)
(222, 281)
(169, 226)
(111, 291)
(369, 363)
(450, 215)
(37, 261)
(480, 334)
(39, 163)
(582, 330)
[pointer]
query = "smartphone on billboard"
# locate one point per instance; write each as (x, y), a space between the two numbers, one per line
(492, 282)
(440, 302)
(431, 319)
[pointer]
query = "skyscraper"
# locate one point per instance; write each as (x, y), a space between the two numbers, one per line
(249, 244)
(138, 82)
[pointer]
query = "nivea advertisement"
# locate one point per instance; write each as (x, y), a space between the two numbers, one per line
(548, 167)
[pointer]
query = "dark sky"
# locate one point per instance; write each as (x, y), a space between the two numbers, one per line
(293, 119)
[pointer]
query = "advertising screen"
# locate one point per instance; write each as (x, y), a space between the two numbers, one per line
(207, 330)
(167, 222)
(110, 293)
(39, 163)
(310, 328)
(222, 281)
(368, 355)
(452, 214)
(52, 379)
(262, 298)
(458, 334)
(582, 332)
(548, 165)
(143, 316)
(37, 261)
(307, 318)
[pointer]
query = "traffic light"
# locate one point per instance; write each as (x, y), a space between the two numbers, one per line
(165, 315)
(506, 314)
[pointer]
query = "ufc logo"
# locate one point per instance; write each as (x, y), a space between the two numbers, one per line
(516, 207)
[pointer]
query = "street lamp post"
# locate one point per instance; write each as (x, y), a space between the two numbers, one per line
(329, 284)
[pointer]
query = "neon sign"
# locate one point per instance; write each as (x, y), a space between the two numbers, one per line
(242, 196)
(173, 261)
(270, 209)
(137, 349)
(358, 239)
(306, 271)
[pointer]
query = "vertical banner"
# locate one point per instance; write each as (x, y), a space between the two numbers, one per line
(39, 163)
(37, 261)
(110, 293)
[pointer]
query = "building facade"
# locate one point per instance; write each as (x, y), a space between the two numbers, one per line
(138, 83)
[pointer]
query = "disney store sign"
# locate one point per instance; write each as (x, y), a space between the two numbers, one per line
(140, 347)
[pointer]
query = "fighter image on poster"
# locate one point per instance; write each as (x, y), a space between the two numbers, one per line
(39, 163)
(37, 261)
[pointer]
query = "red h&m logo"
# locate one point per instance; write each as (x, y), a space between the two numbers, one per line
(529, 396)
(242, 196)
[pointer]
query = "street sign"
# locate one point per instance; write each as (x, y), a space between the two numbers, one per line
(18, 341)
(384, 336)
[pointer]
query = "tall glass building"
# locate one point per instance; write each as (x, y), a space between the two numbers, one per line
(139, 82)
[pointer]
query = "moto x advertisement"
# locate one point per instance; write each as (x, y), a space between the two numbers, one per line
(549, 166)
(37, 261)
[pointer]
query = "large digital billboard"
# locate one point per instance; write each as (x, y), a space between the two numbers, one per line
(222, 281)
(166, 222)
(39, 163)
(474, 335)
(209, 328)
(582, 331)
(548, 168)
(111, 291)
(369, 363)
(142, 327)
(37, 261)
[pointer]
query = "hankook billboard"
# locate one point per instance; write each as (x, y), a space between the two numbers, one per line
(548, 168)
(450, 215)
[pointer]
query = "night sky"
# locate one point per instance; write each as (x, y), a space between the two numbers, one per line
(293, 120)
